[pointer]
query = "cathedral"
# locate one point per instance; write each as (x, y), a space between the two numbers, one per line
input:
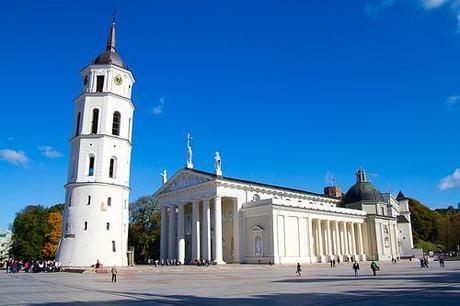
(230, 220)
(208, 215)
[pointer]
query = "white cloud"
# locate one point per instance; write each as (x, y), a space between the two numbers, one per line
(158, 110)
(452, 101)
(375, 8)
(450, 181)
(50, 152)
(17, 158)
(429, 4)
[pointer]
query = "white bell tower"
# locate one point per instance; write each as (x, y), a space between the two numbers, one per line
(95, 223)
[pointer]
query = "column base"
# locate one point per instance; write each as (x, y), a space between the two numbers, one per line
(363, 257)
(221, 262)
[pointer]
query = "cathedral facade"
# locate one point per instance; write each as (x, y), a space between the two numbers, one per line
(228, 220)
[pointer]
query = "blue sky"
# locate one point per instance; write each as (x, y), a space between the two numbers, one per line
(288, 91)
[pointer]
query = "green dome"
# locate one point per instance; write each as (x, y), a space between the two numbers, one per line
(362, 191)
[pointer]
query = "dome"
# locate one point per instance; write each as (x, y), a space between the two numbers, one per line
(362, 191)
(110, 55)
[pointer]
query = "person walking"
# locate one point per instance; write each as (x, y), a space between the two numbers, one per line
(114, 274)
(356, 268)
(299, 270)
(374, 267)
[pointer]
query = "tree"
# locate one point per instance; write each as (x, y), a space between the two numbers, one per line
(53, 235)
(36, 232)
(144, 228)
(29, 229)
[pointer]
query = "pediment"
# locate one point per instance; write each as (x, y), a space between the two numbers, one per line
(257, 229)
(183, 179)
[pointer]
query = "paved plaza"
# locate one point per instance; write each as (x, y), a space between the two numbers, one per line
(400, 284)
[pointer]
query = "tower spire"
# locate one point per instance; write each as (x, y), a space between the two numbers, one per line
(111, 39)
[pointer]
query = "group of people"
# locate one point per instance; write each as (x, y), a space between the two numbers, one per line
(424, 262)
(15, 266)
(355, 267)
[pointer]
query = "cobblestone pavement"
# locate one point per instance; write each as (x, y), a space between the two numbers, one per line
(400, 284)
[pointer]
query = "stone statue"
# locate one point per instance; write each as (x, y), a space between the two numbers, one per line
(164, 177)
(218, 164)
(189, 151)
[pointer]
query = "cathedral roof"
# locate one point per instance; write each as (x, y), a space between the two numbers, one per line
(362, 191)
(110, 55)
(259, 184)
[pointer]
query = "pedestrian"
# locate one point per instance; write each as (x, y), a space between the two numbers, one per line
(441, 262)
(356, 268)
(374, 267)
(114, 274)
(299, 270)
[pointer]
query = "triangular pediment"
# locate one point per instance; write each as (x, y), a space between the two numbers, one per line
(257, 229)
(184, 178)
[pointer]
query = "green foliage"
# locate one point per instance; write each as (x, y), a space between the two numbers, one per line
(428, 246)
(435, 230)
(144, 229)
(31, 230)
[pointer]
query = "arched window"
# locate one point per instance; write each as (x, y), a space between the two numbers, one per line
(77, 129)
(107, 226)
(109, 201)
(91, 166)
(256, 197)
(116, 124)
(114, 249)
(95, 121)
(113, 167)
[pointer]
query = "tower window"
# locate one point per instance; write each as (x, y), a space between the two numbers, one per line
(70, 200)
(85, 80)
(89, 200)
(112, 167)
(86, 226)
(67, 226)
(95, 121)
(91, 166)
(77, 130)
(109, 201)
(107, 226)
(100, 83)
(116, 124)
(114, 249)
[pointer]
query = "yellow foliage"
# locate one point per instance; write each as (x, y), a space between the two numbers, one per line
(53, 235)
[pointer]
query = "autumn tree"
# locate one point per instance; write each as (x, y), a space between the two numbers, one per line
(36, 232)
(53, 235)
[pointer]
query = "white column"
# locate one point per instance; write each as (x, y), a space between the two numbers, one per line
(206, 241)
(218, 229)
(345, 240)
(353, 241)
(361, 244)
(236, 232)
(337, 238)
(310, 238)
(181, 234)
(163, 233)
(329, 238)
(320, 240)
(172, 232)
(195, 230)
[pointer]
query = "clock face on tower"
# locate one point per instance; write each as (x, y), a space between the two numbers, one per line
(118, 79)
